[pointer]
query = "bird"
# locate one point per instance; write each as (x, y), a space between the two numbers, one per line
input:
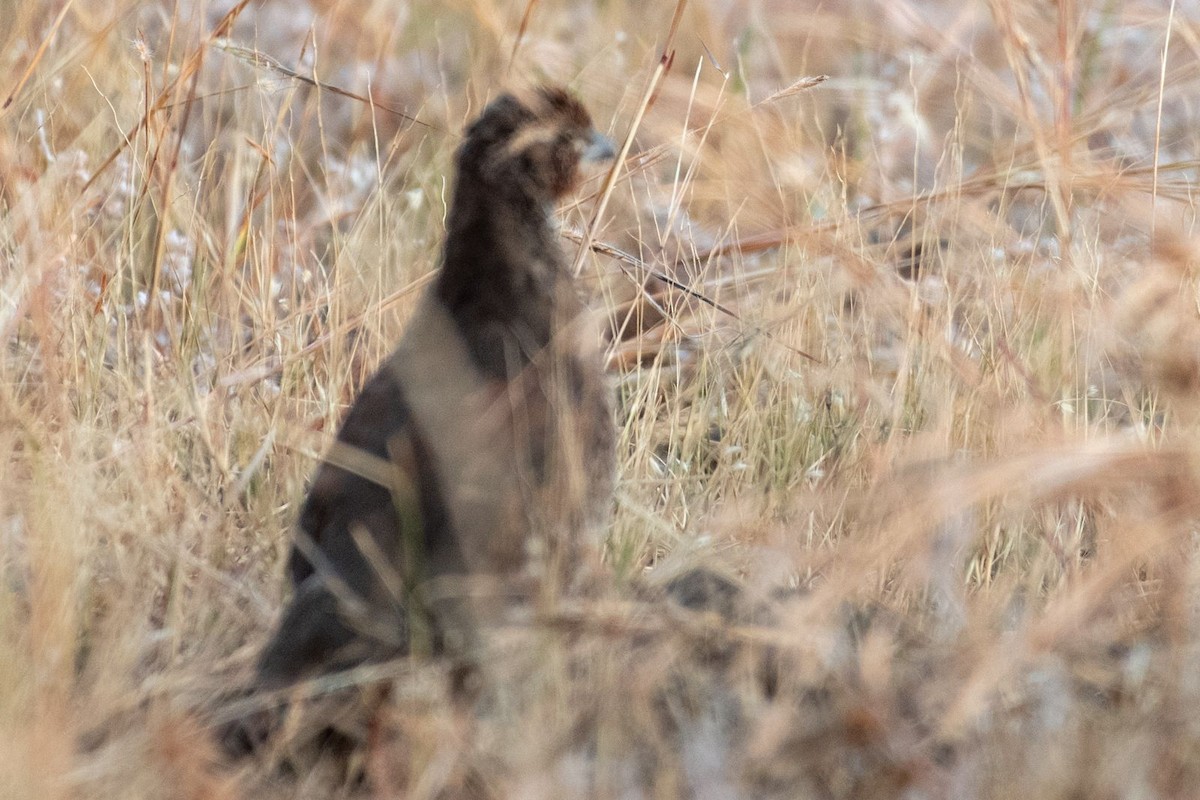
(482, 452)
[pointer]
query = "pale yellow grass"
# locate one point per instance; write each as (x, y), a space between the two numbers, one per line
(959, 492)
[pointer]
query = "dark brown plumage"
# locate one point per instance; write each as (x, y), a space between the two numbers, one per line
(483, 448)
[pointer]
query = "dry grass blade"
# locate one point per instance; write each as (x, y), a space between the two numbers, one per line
(624, 259)
(610, 180)
(1162, 82)
(526, 18)
(37, 56)
(259, 59)
(187, 71)
(802, 85)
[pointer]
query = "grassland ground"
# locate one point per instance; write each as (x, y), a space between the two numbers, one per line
(908, 356)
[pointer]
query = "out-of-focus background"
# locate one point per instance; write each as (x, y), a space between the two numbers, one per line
(908, 356)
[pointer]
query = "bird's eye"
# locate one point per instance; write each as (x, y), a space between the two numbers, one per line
(566, 143)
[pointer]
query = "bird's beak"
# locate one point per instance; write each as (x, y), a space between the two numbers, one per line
(598, 148)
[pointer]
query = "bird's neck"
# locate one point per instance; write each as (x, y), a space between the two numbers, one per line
(492, 237)
(503, 276)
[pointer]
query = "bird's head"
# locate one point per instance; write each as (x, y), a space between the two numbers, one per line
(534, 142)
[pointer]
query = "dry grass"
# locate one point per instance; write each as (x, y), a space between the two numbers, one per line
(965, 535)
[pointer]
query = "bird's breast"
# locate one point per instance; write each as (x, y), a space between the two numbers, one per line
(500, 446)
